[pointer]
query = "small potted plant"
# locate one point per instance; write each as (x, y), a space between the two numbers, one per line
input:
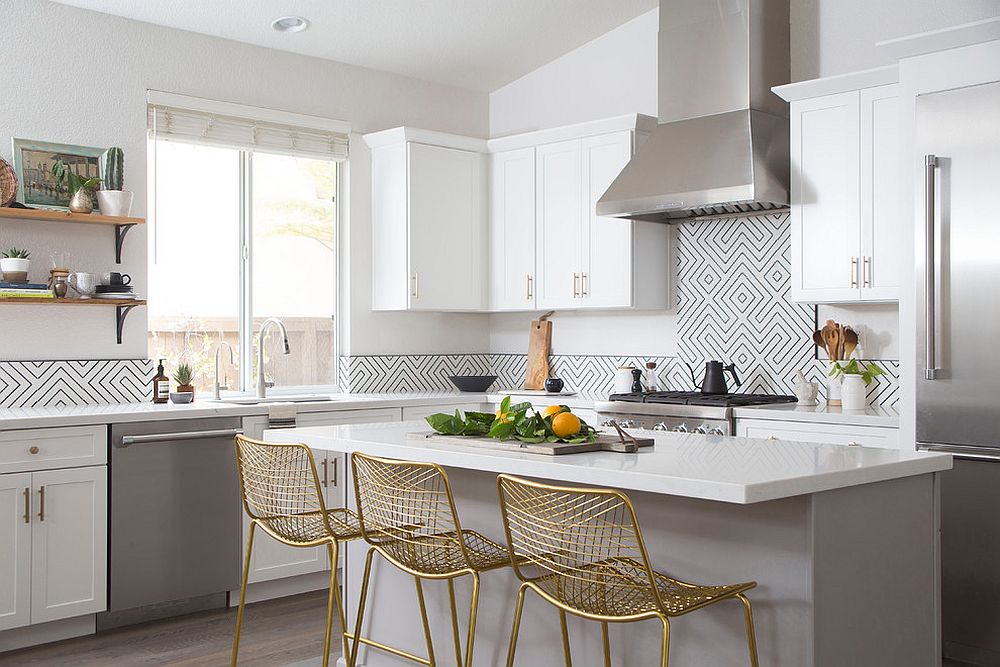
(80, 188)
(111, 198)
(183, 376)
(856, 378)
(14, 265)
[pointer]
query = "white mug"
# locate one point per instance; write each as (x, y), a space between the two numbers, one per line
(85, 284)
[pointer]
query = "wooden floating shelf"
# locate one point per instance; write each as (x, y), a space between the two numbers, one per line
(122, 306)
(67, 216)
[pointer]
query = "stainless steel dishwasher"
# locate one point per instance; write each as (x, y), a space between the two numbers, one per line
(175, 511)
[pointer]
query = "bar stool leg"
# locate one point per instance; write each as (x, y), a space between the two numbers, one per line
(567, 656)
(665, 646)
(751, 635)
(427, 626)
(454, 622)
(473, 615)
(361, 608)
(331, 600)
(243, 593)
(607, 643)
(517, 624)
(344, 634)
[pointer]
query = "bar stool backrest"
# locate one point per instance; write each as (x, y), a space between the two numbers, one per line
(575, 543)
(281, 488)
(404, 507)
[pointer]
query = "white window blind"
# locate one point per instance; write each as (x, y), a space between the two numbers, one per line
(194, 126)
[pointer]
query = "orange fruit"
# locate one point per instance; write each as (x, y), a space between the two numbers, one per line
(553, 409)
(503, 416)
(566, 424)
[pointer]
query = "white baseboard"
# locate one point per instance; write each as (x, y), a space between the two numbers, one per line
(279, 588)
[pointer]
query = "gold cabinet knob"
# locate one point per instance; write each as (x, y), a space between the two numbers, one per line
(33, 449)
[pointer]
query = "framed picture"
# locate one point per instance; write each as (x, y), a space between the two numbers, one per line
(33, 162)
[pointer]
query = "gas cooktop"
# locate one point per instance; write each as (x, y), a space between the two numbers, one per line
(698, 398)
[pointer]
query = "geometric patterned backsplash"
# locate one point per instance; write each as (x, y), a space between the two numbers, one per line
(26, 384)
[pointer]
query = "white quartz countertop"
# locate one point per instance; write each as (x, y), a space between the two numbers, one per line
(727, 469)
(872, 416)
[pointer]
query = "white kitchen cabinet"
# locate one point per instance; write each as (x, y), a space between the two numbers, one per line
(838, 434)
(69, 540)
(428, 221)
(846, 175)
(559, 216)
(15, 550)
(512, 229)
(272, 559)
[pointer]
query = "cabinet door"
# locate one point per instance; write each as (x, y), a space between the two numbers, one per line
(15, 550)
(826, 204)
(881, 189)
(607, 242)
(446, 228)
(69, 543)
(559, 224)
(512, 230)
(391, 286)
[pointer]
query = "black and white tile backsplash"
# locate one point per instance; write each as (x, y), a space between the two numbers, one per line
(27, 384)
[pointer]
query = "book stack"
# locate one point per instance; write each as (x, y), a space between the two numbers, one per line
(25, 291)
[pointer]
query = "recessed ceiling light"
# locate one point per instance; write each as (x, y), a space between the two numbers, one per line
(290, 24)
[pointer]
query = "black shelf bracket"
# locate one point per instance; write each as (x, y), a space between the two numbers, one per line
(121, 312)
(120, 232)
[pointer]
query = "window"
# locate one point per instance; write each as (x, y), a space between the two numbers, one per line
(240, 235)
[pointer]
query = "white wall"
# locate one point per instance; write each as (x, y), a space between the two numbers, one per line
(78, 77)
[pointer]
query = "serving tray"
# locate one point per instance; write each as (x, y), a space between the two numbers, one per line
(604, 442)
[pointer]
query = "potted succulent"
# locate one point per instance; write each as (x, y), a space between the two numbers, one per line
(81, 189)
(183, 376)
(856, 377)
(111, 198)
(14, 264)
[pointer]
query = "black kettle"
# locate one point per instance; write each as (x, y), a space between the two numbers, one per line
(714, 381)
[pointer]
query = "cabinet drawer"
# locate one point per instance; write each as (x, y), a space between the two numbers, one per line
(47, 448)
(837, 434)
(372, 416)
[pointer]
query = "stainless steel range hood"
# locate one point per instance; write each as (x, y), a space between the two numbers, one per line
(722, 144)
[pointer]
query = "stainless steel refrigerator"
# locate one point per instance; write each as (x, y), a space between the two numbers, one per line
(958, 354)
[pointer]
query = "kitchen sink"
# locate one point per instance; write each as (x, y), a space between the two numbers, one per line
(254, 400)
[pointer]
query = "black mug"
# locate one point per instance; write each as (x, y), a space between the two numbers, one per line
(554, 385)
(117, 279)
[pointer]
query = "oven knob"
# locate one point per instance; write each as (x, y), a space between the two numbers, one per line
(681, 428)
(703, 429)
(628, 423)
(716, 431)
(662, 426)
(608, 422)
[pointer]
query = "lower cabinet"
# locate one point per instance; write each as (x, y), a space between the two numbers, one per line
(838, 434)
(53, 545)
(272, 559)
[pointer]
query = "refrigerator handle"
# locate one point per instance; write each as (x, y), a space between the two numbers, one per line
(930, 272)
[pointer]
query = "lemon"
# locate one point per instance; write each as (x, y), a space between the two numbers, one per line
(553, 409)
(565, 424)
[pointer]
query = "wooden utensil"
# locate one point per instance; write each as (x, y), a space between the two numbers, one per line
(539, 347)
(818, 339)
(831, 336)
(850, 341)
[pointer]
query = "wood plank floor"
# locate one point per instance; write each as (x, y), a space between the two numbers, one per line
(287, 631)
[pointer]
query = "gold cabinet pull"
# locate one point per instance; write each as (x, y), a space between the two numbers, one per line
(583, 285)
(33, 449)
(416, 285)
(528, 295)
(867, 271)
(854, 271)
(335, 472)
(41, 503)
(27, 505)
(325, 483)
(576, 288)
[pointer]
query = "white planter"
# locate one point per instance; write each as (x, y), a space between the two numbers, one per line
(115, 202)
(833, 385)
(14, 264)
(854, 394)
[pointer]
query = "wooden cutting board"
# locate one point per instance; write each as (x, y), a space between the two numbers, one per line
(539, 347)
(607, 443)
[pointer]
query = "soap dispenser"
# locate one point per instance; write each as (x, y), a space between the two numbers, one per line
(161, 385)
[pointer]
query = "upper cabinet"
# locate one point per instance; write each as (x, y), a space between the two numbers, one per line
(428, 221)
(548, 250)
(846, 211)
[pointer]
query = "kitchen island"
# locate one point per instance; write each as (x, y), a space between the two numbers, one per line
(841, 540)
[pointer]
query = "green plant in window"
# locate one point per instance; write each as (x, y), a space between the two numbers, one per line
(183, 375)
(16, 253)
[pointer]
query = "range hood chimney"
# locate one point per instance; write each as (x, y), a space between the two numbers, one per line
(721, 147)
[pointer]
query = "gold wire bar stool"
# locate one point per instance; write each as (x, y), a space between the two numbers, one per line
(282, 496)
(407, 515)
(581, 549)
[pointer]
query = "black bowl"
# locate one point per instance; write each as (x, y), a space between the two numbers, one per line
(473, 383)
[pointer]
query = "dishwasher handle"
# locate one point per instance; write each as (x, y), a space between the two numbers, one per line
(128, 440)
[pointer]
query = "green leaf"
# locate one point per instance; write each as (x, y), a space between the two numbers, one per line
(532, 440)
(480, 418)
(445, 424)
(501, 430)
(505, 404)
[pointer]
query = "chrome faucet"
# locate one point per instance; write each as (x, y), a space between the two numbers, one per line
(232, 360)
(261, 386)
